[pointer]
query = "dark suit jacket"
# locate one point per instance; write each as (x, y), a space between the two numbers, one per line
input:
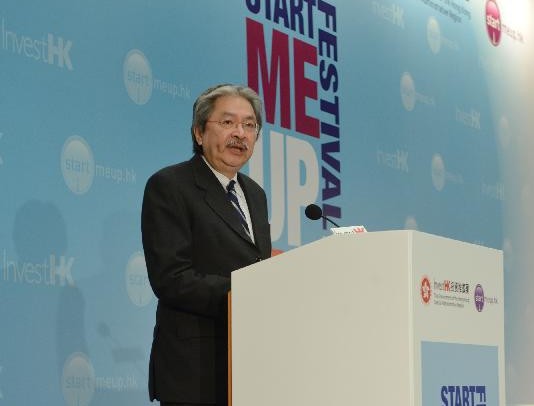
(193, 240)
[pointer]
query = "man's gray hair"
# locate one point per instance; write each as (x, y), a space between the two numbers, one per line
(205, 104)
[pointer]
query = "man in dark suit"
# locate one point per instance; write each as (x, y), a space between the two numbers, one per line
(195, 233)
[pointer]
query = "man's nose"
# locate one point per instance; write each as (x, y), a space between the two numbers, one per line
(239, 130)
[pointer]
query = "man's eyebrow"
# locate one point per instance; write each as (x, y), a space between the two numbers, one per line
(228, 113)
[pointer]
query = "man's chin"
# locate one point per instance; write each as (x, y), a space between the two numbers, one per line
(237, 161)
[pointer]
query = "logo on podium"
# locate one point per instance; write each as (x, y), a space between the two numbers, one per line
(479, 297)
(426, 290)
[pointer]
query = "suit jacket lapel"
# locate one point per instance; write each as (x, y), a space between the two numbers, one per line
(253, 204)
(216, 196)
(250, 204)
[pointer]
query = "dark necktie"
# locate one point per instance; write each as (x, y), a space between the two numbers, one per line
(232, 196)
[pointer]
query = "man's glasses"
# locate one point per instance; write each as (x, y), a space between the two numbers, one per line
(249, 126)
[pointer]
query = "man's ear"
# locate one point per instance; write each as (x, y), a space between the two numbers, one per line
(198, 136)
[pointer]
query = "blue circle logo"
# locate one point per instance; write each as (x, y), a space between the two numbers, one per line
(433, 35)
(438, 172)
(479, 298)
(77, 165)
(137, 75)
(407, 91)
(137, 283)
(78, 380)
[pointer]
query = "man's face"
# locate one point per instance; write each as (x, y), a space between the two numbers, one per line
(228, 149)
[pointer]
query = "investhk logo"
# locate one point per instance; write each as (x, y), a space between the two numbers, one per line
(51, 49)
(493, 22)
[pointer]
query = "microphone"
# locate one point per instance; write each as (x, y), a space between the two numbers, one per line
(314, 212)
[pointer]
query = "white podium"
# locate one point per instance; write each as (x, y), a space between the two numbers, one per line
(380, 318)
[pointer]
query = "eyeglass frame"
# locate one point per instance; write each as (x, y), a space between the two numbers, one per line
(234, 124)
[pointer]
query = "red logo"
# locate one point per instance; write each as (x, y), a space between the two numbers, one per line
(493, 22)
(426, 290)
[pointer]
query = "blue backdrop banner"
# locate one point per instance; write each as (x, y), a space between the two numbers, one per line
(388, 113)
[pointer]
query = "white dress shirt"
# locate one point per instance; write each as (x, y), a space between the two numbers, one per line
(239, 192)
